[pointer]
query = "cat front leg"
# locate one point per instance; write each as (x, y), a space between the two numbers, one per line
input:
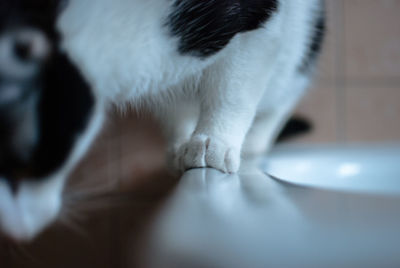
(229, 95)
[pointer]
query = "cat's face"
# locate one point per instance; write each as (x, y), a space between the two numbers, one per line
(45, 106)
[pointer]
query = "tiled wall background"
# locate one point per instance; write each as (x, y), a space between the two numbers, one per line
(356, 98)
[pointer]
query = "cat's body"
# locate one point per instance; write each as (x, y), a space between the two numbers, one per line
(221, 76)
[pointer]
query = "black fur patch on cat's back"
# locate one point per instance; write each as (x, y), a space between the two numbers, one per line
(204, 27)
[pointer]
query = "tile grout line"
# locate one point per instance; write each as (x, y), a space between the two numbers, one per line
(114, 216)
(340, 76)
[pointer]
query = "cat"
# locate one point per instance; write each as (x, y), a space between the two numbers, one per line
(220, 76)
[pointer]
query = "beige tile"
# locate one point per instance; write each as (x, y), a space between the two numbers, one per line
(320, 107)
(129, 150)
(142, 150)
(330, 56)
(97, 170)
(372, 34)
(373, 114)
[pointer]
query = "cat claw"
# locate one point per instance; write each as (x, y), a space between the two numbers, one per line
(202, 151)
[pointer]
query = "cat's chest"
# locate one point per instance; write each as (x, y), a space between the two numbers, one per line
(123, 47)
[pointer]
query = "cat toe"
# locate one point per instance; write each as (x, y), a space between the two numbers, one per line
(204, 151)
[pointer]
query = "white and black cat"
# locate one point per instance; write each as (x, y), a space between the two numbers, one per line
(221, 76)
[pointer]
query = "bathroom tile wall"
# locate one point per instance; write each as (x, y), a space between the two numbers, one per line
(357, 94)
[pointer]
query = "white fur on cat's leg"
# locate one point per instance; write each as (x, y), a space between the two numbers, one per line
(268, 123)
(261, 135)
(265, 128)
(230, 92)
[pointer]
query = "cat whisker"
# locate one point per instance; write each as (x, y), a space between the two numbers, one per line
(72, 223)
(21, 252)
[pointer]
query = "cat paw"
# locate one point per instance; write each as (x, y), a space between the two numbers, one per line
(204, 151)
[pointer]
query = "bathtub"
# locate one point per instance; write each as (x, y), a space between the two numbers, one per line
(353, 168)
(323, 206)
